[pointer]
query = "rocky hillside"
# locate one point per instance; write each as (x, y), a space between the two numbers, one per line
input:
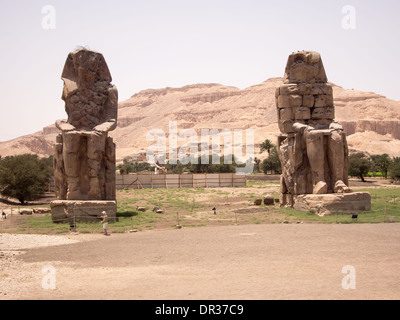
(371, 121)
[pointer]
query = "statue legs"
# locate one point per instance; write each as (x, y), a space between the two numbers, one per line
(96, 147)
(82, 150)
(316, 157)
(72, 164)
(58, 164)
(336, 156)
(110, 169)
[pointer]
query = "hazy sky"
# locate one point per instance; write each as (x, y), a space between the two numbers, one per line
(172, 43)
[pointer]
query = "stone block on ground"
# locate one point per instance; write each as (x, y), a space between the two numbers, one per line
(62, 211)
(26, 212)
(325, 204)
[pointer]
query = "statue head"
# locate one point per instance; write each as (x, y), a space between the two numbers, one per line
(87, 83)
(305, 67)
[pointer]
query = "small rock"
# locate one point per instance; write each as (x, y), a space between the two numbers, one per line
(26, 211)
(41, 210)
(269, 200)
(257, 202)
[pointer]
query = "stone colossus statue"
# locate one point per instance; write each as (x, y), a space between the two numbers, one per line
(312, 148)
(84, 154)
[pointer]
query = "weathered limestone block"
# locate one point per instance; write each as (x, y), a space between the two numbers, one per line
(321, 89)
(41, 210)
(285, 114)
(327, 204)
(318, 113)
(302, 113)
(286, 126)
(28, 212)
(308, 101)
(289, 101)
(82, 211)
(323, 100)
(294, 89)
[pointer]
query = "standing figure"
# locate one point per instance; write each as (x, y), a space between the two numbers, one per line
(104, 221)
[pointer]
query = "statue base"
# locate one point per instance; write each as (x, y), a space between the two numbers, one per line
(64, 211)
(326, 204)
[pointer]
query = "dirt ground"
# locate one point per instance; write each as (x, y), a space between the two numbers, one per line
(249, 262)
(244, 262)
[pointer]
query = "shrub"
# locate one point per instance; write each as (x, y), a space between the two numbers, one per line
(24, 177)
(359, 165)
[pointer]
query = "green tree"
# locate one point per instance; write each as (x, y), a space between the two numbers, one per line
(200, 167)
(380, 163)
(211, 167)
(134, 167)
(267, 145)
(374, 163)
(24, 177)
(126, 167)
(272, 163)
(394, 169)
(384, 163)
(359, 165)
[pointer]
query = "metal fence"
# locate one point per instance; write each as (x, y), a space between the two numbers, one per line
(139, 181)
(142, 180)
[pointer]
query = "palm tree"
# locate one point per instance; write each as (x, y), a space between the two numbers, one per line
(267, 145)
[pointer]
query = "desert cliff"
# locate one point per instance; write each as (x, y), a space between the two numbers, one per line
(371, 121)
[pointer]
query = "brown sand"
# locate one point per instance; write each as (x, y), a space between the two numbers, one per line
(296, 261)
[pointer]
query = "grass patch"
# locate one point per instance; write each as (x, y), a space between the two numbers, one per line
(194, 208)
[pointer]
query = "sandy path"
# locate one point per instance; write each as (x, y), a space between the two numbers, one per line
(302, 261)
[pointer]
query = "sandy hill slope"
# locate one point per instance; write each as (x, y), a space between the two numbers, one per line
(371, 121)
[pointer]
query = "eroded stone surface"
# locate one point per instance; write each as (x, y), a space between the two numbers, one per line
(83, 211)
(312, 148)
(84, 155)
(327, 204)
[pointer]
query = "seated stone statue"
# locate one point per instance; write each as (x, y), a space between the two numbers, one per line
(84, 154)
(312, 148)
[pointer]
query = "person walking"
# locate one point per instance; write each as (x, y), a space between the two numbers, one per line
(105, 222)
